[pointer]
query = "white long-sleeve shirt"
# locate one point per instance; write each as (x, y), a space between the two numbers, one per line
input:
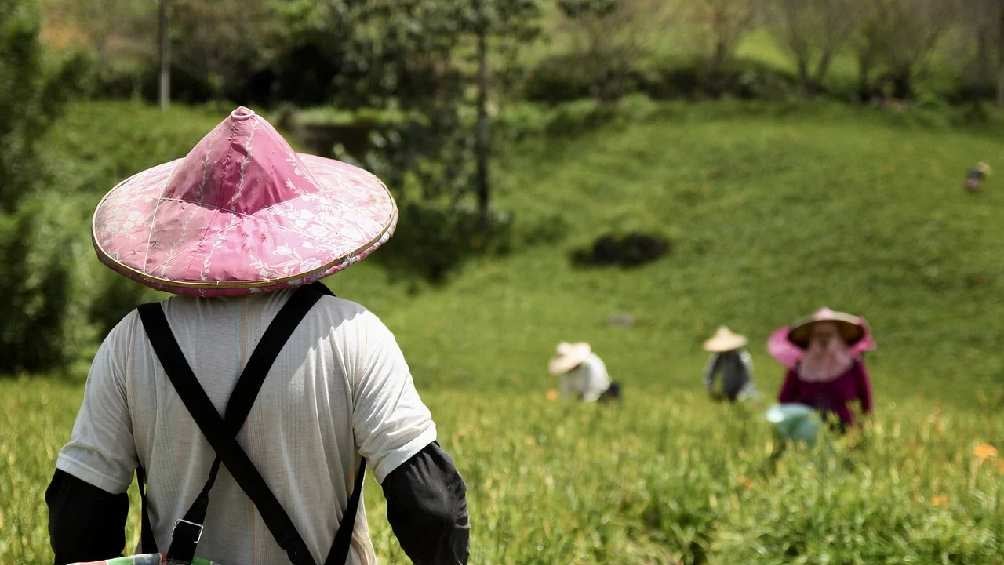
(339, 389)
(588, 381)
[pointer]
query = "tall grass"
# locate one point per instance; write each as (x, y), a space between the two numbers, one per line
(658, 479)
(771, 210)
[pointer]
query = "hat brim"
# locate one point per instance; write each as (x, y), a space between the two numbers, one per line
(723, 344)
(189, 248)
(851, 331)
(568, 360)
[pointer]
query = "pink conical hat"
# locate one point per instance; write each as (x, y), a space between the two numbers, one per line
(789, 353)
(241, 213)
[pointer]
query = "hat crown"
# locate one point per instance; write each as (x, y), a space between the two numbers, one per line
(243, 165)
(826, 314)
(723, 331)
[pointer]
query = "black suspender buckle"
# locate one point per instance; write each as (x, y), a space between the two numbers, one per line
(186, 538)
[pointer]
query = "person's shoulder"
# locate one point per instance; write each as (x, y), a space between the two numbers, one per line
(125, 329)
(344, 313)
(334, 303)
(342, 306)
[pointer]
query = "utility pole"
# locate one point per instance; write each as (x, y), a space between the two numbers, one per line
(165, 56)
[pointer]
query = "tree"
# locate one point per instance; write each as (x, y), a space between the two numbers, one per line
(413, 56)
(26, 100)
(221, 42)
(983, 21)
(812, 31)
(34, 273)
(164, 52)
(115, 34)
(608, 39)
(510, 23)
(723, 23)
(896, 37)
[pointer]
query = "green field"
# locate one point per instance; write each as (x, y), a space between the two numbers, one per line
(772, 211)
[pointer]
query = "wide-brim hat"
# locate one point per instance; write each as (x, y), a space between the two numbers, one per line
(567, 357)
(851, 328)
(241, 213)
(724, 340)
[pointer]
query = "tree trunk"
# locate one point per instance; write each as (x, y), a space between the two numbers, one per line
(864, 77)
(483, 141)
(1000, 53)
(165, 56)
(803, 74)
(822, 67)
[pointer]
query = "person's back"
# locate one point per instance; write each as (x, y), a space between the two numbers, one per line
(732, 371)
(339, 389)
(340, 371)
(729, 372)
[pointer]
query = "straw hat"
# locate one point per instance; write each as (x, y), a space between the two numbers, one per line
(567, 357)
(241, 213)
(852, 328)
(724, 340)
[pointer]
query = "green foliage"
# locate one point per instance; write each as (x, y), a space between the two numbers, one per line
(433, 241)
(23, 111)
(35, 277)
(659, 479)
(60, 299)
(42, 325)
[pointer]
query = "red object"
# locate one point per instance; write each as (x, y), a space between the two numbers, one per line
(831, 396)
(788, 354)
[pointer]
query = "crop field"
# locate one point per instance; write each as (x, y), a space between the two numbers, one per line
(659, 479)
(771, 211)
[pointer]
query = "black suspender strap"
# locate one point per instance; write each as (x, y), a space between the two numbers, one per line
(221, 432)
(147, 543)
(339, 553)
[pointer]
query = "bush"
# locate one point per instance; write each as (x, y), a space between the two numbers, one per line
(629, 250)
(434, 240)
(571, 76)
(740, 78)
(567, 77)
(59, 298)
(43, 310)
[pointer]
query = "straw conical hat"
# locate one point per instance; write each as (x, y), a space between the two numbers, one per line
(567, 357)
(852, 328)
(724, 340)
(241, 213)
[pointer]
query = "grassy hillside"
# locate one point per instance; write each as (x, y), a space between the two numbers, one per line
(772, 211)
(660, 479)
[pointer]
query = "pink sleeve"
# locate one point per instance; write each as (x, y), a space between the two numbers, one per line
(789, 389)
(864, 389)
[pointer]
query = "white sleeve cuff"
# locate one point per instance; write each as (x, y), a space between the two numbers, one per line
(91, 475)
(396, 458)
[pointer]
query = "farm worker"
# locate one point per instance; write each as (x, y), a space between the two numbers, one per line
(729, 373)
(975, 177)
(829, 373)
(254, 368)
(582, 374)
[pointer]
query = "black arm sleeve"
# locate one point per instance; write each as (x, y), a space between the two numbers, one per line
(85, 522)
(427, 508)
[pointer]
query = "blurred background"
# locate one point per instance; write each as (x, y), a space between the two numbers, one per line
(475, 112)
(631, 173)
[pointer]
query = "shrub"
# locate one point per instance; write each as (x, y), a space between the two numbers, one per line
(744, 79)
(629, 250)
(433, 240)
(571, 76)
